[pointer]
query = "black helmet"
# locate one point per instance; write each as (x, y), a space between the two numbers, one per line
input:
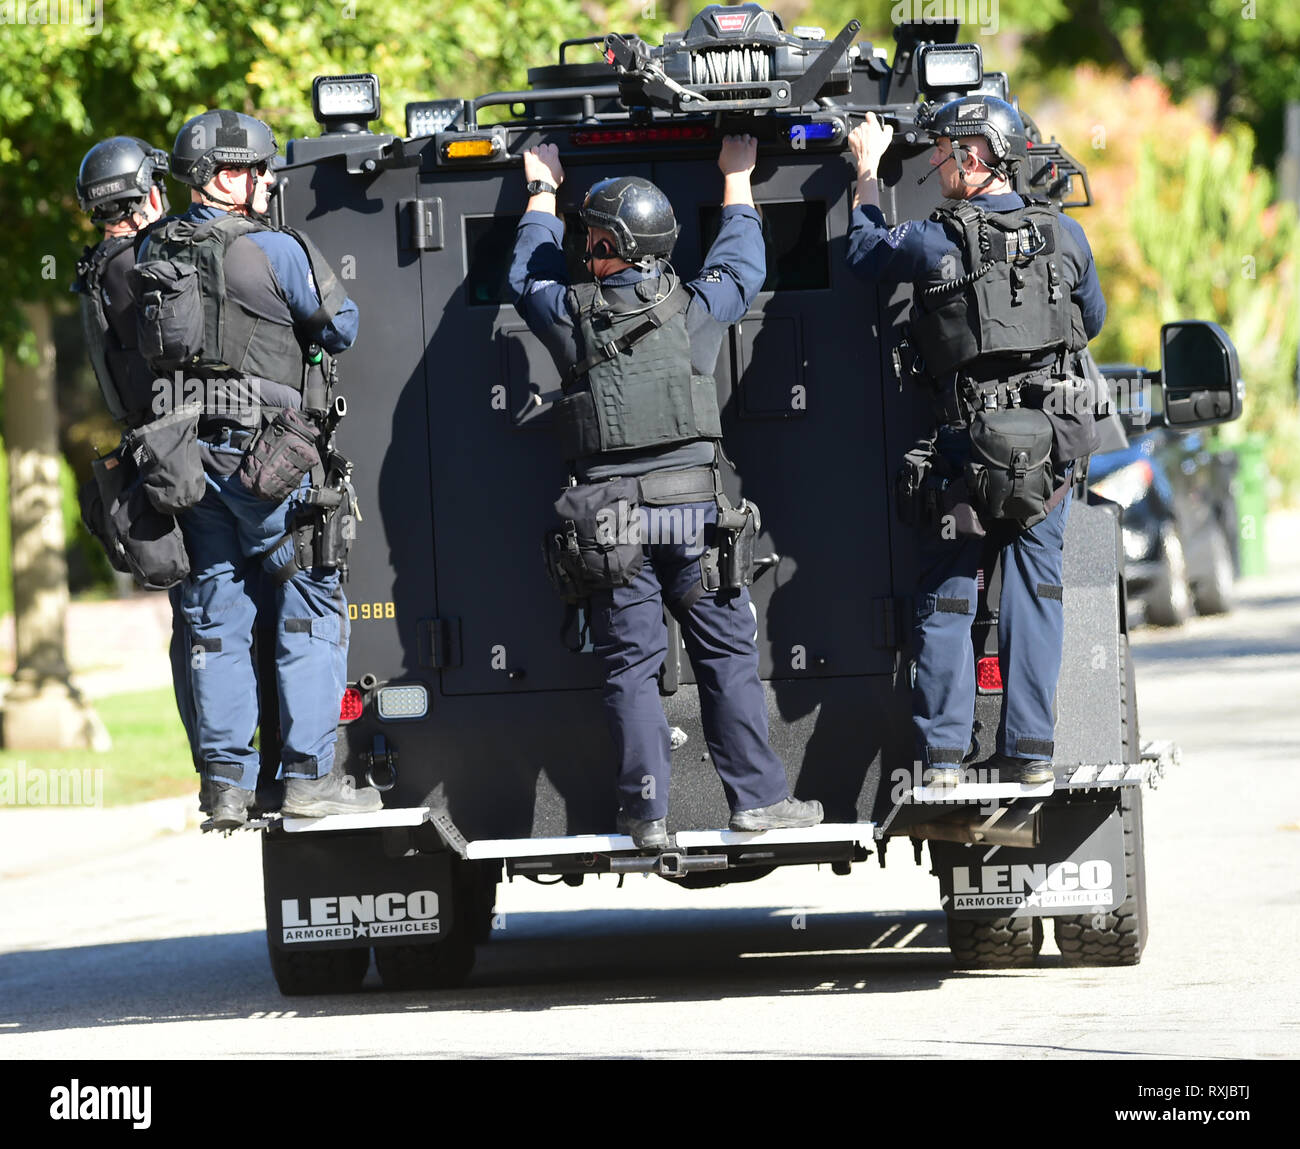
(988, 117)
(219, 139)
(116, 175)
(636, 213)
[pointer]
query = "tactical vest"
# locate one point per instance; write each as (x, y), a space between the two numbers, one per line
(188, 320)
(109, 356)
(1010, 301)
(632, 387)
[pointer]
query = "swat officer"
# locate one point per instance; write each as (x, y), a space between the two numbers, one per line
(1001, 292)
(636, 349)
(267, 297)
(120, 185)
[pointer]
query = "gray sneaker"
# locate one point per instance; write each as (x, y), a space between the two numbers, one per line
(1027, 771)
(942, 775)
(789, 814)
(333, 794)
(646, 833)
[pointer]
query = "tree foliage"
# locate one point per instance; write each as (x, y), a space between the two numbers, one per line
(151, 66)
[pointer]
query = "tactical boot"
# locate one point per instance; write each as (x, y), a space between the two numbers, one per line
(646, 833)
(333, 794)
(789, 814)
(205, 796)
(229, 805)
(943, 774)
(1027, 771)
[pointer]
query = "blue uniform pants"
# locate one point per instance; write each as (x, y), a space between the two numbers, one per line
(720, 634)
(1031, 631)
(228, 535)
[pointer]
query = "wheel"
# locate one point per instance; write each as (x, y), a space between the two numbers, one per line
(437, 965)
(300, 972)
(1214, 593)
(1169, 601)
(479, 896)
(994, 943)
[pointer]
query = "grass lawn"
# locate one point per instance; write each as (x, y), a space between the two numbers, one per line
(150, 757)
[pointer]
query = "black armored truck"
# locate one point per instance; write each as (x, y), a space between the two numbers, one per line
(473, 707)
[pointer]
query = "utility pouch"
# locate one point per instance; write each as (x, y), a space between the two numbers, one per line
(1010, 473)
(283, 451)
(169, 312)
(166, 456)
(1071, 404)
(598, 544)
(737, 529)
(95, 516)
(147, 541)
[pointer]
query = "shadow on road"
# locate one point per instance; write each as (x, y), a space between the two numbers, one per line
(535, 961)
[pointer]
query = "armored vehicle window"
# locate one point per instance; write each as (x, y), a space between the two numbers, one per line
(489, 242)
(794, 235)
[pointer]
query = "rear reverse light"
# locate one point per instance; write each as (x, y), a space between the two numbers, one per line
(988, 675)
(352, 705)
(593, 137)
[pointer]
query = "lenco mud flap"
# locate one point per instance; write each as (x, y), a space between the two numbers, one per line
(1078, 868)
(339, 890)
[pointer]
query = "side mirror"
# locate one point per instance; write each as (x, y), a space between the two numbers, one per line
(1200, 377)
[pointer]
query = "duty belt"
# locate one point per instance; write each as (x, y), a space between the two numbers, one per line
(688, 485)
(962, 396)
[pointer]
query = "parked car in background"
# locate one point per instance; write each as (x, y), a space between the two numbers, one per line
(1180, 512)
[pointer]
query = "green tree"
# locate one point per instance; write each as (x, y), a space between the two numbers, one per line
(151, 66)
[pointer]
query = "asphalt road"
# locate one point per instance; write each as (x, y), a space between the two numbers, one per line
(156, 949)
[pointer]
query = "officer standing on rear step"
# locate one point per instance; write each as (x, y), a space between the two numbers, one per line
(267, 298)
(1002, 292)
(636, 350)
(121, 186)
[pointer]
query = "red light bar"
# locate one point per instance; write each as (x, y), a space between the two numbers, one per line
(988, 675)
(352, 705)
(594, 137)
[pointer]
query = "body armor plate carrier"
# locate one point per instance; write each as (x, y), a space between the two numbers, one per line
(1011, 302)
(188, 321)
(633, 387)
(108, 356)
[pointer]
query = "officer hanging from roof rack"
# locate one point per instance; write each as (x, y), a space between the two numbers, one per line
(1003, 292)
(640, 424)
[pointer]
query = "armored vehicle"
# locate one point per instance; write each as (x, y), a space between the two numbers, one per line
(468, 704)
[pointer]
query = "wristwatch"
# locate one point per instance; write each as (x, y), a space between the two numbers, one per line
(540, 187)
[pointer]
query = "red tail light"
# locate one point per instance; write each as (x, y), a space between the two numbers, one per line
(352, 705)
(988, 675)
(593, 137)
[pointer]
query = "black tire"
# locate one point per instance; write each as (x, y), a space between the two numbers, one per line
(1169, 601)
(994, 943)
(440, 965)
(1214, 593)
(299, 972)
(479, 896)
